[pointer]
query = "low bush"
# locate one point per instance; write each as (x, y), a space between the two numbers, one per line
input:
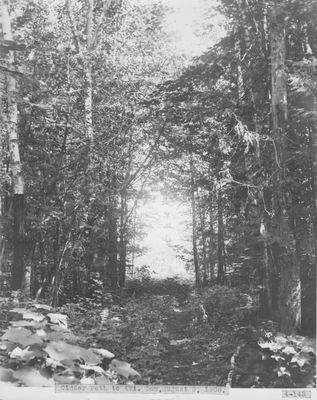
(170, 286)
(222, 305)
(137, 287)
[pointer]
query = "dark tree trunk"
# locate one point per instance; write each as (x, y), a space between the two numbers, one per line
(112, 265)
(204, 248)
(313, 179)
(307, 274)
(211, 237)
(75, 283)
(265, 273)
(123, 240)
(122, 260)
(4, 243)
(202, 225)
(53, 290)
(289, 273)
(221, 248)
(194, 223)
(309, 277)
(18, 266)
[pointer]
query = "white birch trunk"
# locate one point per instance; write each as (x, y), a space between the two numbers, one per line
(12, 110)
(11, 123)
(88, 74)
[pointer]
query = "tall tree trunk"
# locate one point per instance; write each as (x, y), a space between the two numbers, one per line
(85, 52)
(240, 83)
(112, 265)
(134, 239)
(289, 284)
(4, 244)
(194, 223)
(211, 237)
(123, 239)
(312, 282)
(313, 156)
(307, 272)
(220, 235)
(55, 269)
(266, 298)
(204, 245)
(88, 75)
(18, 266)
(88, 107)
(303, 225)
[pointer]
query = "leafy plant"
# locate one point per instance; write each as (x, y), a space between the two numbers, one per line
(294, 358)
(38, 349)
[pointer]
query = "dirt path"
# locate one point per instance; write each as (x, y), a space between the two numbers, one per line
(184, 364)
(180, 360)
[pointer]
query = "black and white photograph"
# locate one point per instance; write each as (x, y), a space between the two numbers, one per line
(158, 199)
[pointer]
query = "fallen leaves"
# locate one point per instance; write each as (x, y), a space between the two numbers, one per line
(21, 336)
(123, 368)
(59, 319)
(19, 310)
(30, 376)
(289, 350)
(178, 342)
(21, 323)
(87, 381)
(61, 350)
(103, 352)
(23, 355)
(281, 371)
(94, 368)
(42, 307)
(64, 378)
(301, 359)
(33, 316)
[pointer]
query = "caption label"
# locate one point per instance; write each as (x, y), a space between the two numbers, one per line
(60, 388)
(299, 394)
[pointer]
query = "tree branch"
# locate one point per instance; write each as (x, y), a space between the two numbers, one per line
(144, 164)
(73, 26)
(102, 17)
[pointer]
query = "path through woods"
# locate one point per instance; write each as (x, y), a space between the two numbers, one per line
(99, 110)
(153, 339)
(185, 363)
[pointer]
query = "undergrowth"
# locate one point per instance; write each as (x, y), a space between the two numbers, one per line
(174, 335)
(39, 349)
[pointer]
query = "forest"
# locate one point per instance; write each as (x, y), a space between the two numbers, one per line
(98, 109)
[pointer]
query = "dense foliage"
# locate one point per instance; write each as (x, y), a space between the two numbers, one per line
(166, 338)
(241, 147)
(96, 110)
(38, 349)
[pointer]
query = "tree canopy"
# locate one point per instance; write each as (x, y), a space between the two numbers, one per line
(97, 108)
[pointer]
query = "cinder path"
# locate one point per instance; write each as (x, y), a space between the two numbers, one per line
(184, 364)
